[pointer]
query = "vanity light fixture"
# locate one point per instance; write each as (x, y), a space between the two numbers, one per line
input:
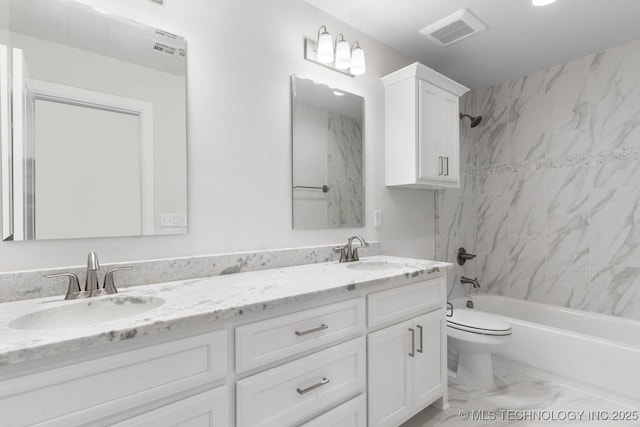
(357, 60)
(340, 56)
(343, 53)
(542, 2)
(325, 46)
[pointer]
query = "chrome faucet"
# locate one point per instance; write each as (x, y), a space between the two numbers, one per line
(474, 282)
(348, 253)
(92, 286)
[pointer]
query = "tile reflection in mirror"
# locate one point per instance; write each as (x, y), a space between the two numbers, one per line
(328, 156)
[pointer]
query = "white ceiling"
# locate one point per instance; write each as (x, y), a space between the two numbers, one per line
(520, 38)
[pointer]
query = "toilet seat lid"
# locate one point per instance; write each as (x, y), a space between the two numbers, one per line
(478, 322)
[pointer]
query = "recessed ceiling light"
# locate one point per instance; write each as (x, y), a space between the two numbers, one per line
(542, 2)
(338, 93)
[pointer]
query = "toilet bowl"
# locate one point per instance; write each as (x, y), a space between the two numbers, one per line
(475, 335)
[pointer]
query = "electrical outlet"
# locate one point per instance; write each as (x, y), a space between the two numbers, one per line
(377, 218)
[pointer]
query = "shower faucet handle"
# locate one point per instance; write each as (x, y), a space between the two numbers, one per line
(463, 256)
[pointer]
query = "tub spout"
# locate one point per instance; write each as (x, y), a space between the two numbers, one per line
(473, 282)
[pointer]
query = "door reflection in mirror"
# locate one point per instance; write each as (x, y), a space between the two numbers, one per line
(98, 109)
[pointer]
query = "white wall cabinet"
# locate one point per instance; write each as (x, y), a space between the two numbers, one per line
(422, 137)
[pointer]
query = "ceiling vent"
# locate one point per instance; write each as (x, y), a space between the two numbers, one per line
(453, 28)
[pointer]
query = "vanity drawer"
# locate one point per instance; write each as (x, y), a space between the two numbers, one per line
(405, 301)
(86, 391)
(350, 414)
(289, 393)
(207, 409)
(274, 339)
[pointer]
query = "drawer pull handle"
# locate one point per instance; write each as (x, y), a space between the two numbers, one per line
(421, 347)
(440, 165)
(313, 387)
(310, 331)
(413, 342)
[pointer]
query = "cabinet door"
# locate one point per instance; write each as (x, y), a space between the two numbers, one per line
(427, 372)
(389, 370)
(430, 163)
(449, 148)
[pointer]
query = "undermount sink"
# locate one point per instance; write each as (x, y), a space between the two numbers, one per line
(375, 265)
(86, 311)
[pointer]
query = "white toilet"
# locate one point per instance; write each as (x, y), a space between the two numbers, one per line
(475, 335)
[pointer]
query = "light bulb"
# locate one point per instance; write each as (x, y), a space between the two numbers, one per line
(325, 47)
(343, 54)
(357, 60)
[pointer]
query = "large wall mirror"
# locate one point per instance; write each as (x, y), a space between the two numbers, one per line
(328, 156)
(97, 108)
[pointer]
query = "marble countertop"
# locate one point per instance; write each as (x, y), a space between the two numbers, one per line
(197, 301)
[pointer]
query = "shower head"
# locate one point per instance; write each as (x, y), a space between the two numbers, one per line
(475, 121)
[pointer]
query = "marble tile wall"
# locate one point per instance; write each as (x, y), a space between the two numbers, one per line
(555, 214)
(30, 284)
(345, 200)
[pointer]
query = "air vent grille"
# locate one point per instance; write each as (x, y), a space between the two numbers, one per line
(453, 28)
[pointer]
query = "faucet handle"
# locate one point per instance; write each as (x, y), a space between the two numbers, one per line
(73, 290)
(109, 285)
(343, 252)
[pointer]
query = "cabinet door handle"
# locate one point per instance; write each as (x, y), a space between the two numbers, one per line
(302, 391)
(412, 353)
(421, 343)
(446, 166)
(440, 162)
(310, 331)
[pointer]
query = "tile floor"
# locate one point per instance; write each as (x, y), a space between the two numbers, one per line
(519, 397)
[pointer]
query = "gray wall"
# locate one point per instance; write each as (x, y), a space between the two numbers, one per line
(551, 203)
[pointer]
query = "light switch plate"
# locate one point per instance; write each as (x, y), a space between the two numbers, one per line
(377, 218)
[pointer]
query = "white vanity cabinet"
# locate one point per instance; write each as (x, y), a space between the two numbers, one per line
(292, 392)
(406, 361)
(422, 141)
(361, 356)
(88, 389)
(207, 409)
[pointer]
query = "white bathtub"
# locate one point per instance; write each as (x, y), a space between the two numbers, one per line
(595, 352)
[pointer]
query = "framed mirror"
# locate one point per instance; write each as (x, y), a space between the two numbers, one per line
(97, 108)
(328, 156)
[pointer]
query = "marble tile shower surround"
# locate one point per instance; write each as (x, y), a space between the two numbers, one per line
(22, 285)
(345, 199)
(550, 200)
